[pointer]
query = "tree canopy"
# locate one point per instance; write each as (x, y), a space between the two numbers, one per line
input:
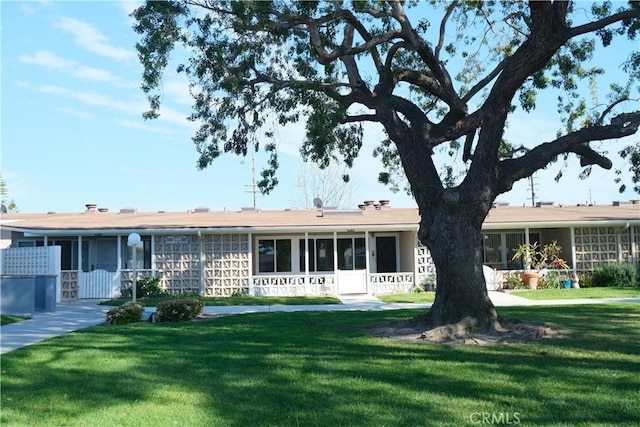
(436, 75)
(440, 71)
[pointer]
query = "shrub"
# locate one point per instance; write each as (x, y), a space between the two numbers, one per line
(187, 294)
(179, 309)
(552, 280)
(129, 312)
(586, 279)
(513, 282)
(615, 275)
(145, 287)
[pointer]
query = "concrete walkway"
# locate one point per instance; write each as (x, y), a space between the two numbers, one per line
(74, 315)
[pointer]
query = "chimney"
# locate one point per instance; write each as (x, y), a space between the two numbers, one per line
(91, 208)
(369, 204)
(103, 210)
(385, 204)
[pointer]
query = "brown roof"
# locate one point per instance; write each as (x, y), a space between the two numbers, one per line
(399, 218)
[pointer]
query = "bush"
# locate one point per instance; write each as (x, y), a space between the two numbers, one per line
(552, 280)
(146, 287)
(586, 279)
(179, 309)
(615, 275)
(514, 282)
(129, 312)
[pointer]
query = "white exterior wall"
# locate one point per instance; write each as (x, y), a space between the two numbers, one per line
(43, 260)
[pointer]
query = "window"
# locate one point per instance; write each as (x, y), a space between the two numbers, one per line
(351, 254)
(493, 249)
(324, 254)
(499, 249)
(274, 255)
(30, 243)
(143, 254)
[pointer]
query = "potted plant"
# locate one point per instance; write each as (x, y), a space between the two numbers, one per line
(536, 258)
(532, 258)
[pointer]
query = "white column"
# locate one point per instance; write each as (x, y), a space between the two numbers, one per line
(153, 255)
(119, 253)
(201, 263)
(306, 259)
(79, 255)
(572, 238)
(250, 262)
(335, 261)
(367, 264)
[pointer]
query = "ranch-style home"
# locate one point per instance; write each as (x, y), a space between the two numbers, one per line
(371, 249)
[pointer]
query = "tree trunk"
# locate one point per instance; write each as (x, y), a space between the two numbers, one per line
(453, 235)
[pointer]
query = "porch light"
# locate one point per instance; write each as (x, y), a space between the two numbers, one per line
(134, 240)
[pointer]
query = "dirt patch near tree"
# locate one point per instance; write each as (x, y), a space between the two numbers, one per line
(466, 332)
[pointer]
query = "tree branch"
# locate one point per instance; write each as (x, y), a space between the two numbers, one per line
(576, 142)
(443, 25)
(598, 25)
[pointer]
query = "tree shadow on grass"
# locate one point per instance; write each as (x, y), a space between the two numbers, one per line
(319, 368)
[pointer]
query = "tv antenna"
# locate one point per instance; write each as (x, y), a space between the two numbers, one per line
(254, 188)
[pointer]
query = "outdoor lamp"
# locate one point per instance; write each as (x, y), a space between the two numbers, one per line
(134, 240)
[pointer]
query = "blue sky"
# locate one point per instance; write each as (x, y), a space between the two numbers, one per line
(72, 128)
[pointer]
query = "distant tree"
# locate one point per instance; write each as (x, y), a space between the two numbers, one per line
(326, 184)
(452, 85)
(4, 193)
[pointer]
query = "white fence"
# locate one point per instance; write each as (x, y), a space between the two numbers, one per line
(379, 283)
(44, 260)
(388, 283)
(99, 284)
(292, 285)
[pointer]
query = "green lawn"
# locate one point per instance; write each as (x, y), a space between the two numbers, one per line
(544, 294)
(421, 297)
(239, 300)
(322, 369)
(5, 319)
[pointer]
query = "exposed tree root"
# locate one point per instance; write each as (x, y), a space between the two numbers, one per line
(466, 332)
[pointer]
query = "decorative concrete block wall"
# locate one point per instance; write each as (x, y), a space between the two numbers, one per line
(602, 245)
(178, 257)
(226, 264)
(37, 261)
(425, 267)
(212, 264)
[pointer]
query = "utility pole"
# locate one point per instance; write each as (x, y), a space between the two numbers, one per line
(532, 186)
(253, 186)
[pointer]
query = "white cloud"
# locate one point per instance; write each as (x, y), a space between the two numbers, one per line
(56, 90)
(94, 74)
(75, 113)
(90, 38)
(51, 60)
(178, 89)
(128, 7)
(47, 59)
(145, 127)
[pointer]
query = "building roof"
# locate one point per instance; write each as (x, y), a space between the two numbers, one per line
(309, 220)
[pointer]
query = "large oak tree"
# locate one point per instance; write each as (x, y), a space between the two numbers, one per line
(433, 74)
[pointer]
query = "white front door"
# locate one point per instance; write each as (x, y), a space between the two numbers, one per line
(352, 281)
